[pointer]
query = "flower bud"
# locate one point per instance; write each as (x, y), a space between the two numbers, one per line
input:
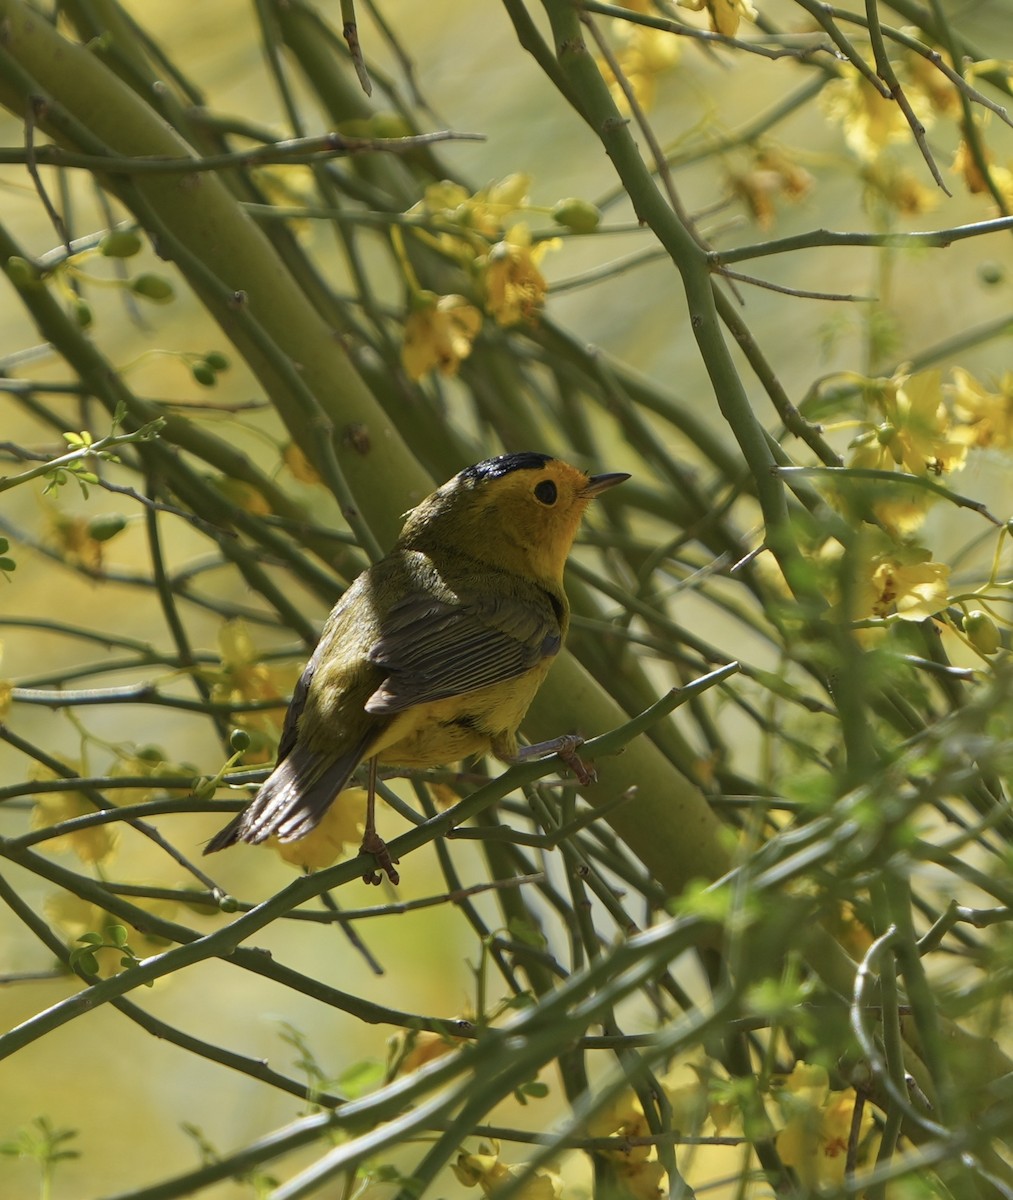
(155, 288)
(106, 526)
(982, 632)
(120, 243)
(580, 216)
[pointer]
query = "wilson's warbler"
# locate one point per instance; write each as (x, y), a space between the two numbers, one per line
(435, 652)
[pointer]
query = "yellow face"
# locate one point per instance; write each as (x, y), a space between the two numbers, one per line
(519, 512)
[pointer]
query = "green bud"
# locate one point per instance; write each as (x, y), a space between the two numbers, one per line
(991, 273)
(21, 272)
(580, 216)
(239, 740)
(982, 632)
(217, 361)
(204, 375)
(155, 288)
(228, 904)
(120, 243)
(107, 526)
(82, 313)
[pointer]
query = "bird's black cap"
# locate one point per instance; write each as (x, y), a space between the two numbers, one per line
(503, 464)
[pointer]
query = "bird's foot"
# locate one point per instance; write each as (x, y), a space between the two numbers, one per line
(566, 747)
(373, 844)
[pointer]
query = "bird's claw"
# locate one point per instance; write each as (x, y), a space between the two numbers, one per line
(568, 747)
(373, 844)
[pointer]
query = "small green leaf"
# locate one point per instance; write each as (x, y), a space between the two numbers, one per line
(87, 961)
(91, 939)
(117, 935)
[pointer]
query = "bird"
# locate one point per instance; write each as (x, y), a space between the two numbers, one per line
(434, 653)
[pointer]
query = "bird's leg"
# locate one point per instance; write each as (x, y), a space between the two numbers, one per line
(566, 747)
(372, 843)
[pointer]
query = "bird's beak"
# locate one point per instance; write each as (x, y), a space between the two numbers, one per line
(600, 483)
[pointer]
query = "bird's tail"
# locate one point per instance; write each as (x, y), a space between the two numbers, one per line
(293, 798)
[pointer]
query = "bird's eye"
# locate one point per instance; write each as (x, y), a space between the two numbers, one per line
(546, 491)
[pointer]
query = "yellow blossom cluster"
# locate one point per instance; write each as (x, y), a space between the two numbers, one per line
(771, 174)
(920, 426)
(642, 55)
(242, 677)
(901, 579)
(873, 122)
(339, 830)
(484, 234)
(486, 1170)
(725, 15)
(916, 433)
(982, 176)
(818, 1126)
(984, 415)
(91, 845)
(75, 918)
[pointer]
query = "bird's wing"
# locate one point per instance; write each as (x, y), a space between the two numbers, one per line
(430, 649)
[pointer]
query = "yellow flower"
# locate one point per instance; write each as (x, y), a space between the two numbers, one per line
(74, 539)
(986, 418)
(149, 760)
(243, 677)
(900, 188)
(818, 1126)
(904, 582)
(771, 174)
(973, 172)
(870, 120)
(486, 1170)
(93, 845)
(416, 1047)
(643, 55)
(340, 827)
(515, 289)
(74, 917)
(623, 1117)
(916, 434)
(438, 334)
(243, 495)
(300, 466)
(485, 211)
(725, 15)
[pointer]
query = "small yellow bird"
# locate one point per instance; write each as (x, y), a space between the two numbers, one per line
(435, 652)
